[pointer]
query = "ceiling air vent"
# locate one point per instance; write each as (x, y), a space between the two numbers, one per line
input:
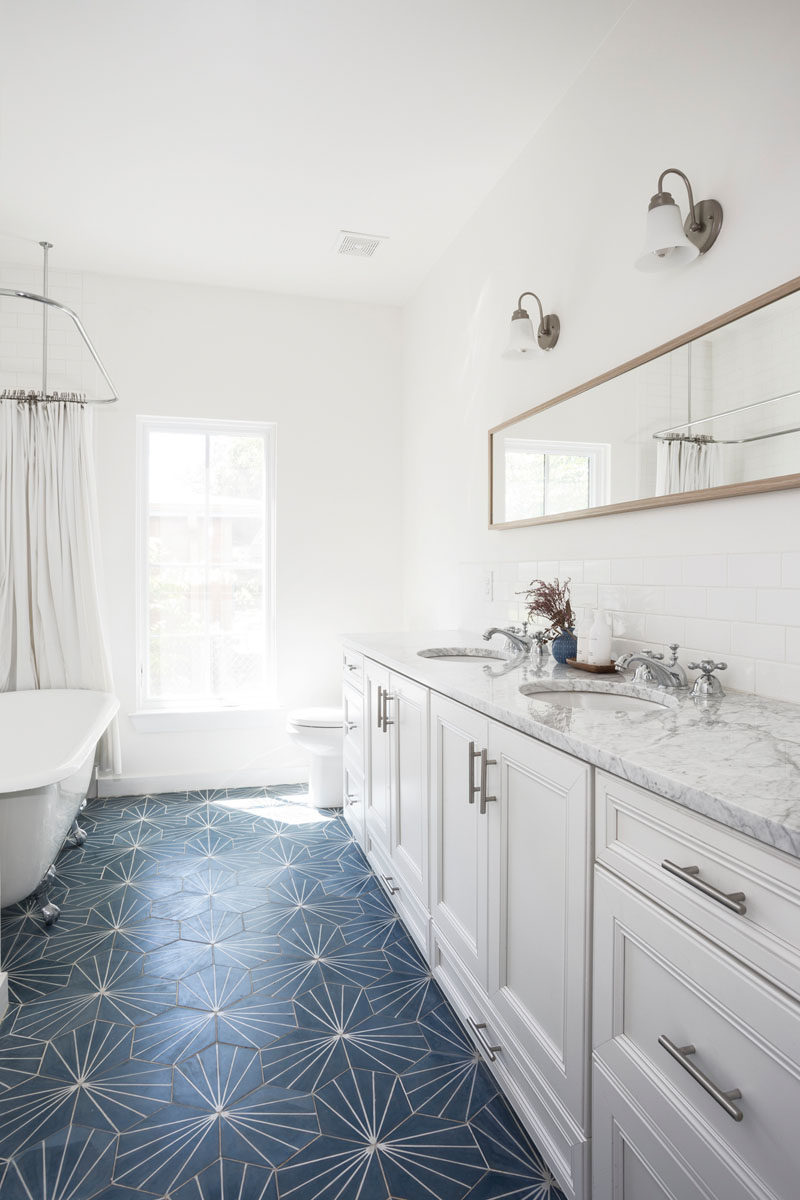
(358, 245)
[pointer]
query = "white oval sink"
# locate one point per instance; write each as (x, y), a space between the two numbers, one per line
(464, 654)
(609, 700)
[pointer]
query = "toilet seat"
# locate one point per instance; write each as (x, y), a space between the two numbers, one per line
(317, 718)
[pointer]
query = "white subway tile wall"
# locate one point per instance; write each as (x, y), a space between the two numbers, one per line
(743, 609)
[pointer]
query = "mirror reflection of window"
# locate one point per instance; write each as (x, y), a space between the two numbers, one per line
(543, 478)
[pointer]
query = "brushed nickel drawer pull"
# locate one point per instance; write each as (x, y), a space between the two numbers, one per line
(735, 901)
(351, 725)
(478, 1027)
(350, 666)
(380, 707)
(350, 798)
(386, 721)
(472, 787)
(486, 762)
(723, 1099)
(391, 887)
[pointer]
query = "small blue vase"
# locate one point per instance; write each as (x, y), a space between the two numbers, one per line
(564, 646)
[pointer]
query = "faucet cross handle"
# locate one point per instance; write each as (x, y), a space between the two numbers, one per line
(708, 666)
(707, 685)
(655, 654)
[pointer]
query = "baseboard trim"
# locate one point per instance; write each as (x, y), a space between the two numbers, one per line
(191, 781)
(3, 993)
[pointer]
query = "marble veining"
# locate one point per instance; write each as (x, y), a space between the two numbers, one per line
(736, 760)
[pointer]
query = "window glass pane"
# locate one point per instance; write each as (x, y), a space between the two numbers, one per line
(524, 484)
(177, 468)
(206, 522)
(236, 468)
(567, 482)
(177, 600)
(237, 540)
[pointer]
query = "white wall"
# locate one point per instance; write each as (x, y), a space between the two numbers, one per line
(326, 373)
(567, 221)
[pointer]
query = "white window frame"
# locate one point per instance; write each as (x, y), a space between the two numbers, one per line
(598, 454)
(157, 715)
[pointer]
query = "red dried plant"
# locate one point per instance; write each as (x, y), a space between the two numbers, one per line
(551, 601)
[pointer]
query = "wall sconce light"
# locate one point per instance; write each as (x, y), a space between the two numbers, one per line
(523, 338)
(669, 241)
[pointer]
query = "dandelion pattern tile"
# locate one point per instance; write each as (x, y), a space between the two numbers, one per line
(230, 1009)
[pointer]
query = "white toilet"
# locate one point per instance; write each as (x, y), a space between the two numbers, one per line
(319, 730)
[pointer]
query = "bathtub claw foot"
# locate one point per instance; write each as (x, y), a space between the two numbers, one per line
(50, 912)
(77, 835)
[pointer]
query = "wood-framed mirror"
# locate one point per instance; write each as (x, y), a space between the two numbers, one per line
(713, 413)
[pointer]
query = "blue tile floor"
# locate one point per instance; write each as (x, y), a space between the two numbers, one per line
(228, 1009)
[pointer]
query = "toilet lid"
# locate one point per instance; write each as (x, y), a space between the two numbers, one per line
(317, 718)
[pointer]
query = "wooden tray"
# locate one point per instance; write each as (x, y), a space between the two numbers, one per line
(595, 668)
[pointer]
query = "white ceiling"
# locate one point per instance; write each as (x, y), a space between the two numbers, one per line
(227, 141)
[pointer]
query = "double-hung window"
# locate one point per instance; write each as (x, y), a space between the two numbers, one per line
(553, 477)
(206, 564)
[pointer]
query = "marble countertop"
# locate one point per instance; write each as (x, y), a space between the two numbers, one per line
(735, 760)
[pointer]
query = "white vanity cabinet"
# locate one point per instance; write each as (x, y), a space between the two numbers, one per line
(396, 792)
(625, 966)
(511, 851)
(353, 743)
(696, 1015)
(377, 758)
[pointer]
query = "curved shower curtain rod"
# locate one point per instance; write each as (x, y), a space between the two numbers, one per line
(48, 302)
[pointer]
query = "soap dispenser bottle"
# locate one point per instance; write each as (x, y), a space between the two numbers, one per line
(600, 639)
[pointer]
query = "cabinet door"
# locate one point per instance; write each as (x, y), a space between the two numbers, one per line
(539, 876)
(377, 759)
(458, 833)
(408, 708)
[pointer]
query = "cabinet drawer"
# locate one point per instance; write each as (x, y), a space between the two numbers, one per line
(353, 668)
(656, 979)
(353, 706)
(638, 832)
(642, 1150)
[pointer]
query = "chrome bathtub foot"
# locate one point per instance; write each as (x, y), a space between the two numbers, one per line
(77, 835)
(50, 911)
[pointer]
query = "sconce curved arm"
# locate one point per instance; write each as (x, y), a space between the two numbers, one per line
(520, 309)
(696, 224)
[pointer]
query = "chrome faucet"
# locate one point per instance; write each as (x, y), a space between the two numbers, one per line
(515, 636)
(651, 668)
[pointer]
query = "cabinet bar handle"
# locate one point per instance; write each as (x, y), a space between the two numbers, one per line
(350, 666)
(386, 721)
(486, 762)
(490, 1051)
(350, 798)
(735, 901)
(390, 884)
(351, 725)
(472, 787)
(723, 1099)
(380, 707)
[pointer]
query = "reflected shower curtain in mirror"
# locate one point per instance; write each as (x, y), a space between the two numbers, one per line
(686, 464)
(51, 617)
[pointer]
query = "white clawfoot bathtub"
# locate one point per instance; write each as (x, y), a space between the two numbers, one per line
(48, 740)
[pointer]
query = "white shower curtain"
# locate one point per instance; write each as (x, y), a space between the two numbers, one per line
(51, 620)
(684, 465)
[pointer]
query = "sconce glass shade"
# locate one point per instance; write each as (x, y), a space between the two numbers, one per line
(665, 242)
(522, 336)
